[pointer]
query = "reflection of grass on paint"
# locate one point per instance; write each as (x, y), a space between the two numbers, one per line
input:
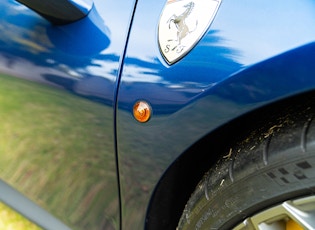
(9, 219)
(56, 148)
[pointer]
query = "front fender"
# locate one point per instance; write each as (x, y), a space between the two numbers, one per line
(263, 92)
(246, 60)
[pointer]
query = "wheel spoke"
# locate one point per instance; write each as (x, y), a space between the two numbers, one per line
(246, 225)
(290, 215)
(302, 211)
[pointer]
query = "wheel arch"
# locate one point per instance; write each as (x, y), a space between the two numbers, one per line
(264, 90)
(180, 180)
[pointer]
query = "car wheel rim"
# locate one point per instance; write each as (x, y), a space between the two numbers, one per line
(290, 215)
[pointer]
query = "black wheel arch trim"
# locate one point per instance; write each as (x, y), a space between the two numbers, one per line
(180, 179)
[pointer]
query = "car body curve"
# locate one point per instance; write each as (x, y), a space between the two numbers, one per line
(253, 55)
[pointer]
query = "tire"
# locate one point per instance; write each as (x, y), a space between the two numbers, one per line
(270, 165)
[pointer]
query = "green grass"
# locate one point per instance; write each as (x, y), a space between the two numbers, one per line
(56, 148)
(11, 220)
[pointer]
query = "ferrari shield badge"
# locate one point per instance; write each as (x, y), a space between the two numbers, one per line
(182, 24)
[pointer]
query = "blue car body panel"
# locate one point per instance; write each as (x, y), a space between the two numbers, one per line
(252, 55)
(70, 106)
(90, 74)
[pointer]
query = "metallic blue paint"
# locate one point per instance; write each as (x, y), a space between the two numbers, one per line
(75, 71)
(240, 64)
(254, 53)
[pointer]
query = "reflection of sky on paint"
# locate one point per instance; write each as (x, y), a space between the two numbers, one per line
(257, 30)
(22, 28)
(108, 17)
(260, 29)
(103, 69)
(121, 9)
(145, 44)
(18, 7)
(142, 74)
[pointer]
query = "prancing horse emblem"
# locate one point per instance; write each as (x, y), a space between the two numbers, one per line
(182, 24)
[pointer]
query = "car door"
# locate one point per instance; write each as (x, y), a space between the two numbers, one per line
(57, 94)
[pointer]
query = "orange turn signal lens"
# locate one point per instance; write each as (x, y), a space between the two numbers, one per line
(142, 111)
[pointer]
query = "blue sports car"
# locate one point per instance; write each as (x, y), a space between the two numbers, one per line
(158, 115)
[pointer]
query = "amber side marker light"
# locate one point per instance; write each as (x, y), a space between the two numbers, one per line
(142, 111)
